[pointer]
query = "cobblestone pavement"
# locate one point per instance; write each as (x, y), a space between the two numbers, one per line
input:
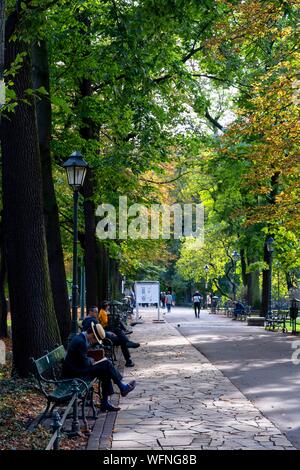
(182, 401)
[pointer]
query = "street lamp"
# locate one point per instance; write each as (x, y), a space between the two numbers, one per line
(270, 249)
(235, 256)
(206, 269)
(76, 169)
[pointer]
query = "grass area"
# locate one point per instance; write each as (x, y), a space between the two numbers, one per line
(289, 326)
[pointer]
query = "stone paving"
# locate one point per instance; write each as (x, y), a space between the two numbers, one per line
(182, 401)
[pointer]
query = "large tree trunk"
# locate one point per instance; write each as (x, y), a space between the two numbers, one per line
(265, 283)
(289, 281)
(34, 324)
(244, 267)
(90, 259)
(3, 303)
(115, 279)
(266, 273)
(2, 30)
(253, 291)
(88, 132)
(103, 272)
(251, 281)
(54, 245)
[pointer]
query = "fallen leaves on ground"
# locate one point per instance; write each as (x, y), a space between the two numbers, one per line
(20, 403)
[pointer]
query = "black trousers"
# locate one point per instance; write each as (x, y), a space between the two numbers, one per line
(119, 338)
(108, 374)
(197, 309)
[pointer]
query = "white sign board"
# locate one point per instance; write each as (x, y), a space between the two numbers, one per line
(147, 292)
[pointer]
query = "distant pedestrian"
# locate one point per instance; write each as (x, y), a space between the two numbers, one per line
(169, 300)
(163, 299)
(173, 298)
(197, 303)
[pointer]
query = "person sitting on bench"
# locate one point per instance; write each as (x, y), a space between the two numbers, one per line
(115, 325)
(238, 309)
(78, 364)
(118, 338)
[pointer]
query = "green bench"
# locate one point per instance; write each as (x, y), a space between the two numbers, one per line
(277, 320)
(47, 371)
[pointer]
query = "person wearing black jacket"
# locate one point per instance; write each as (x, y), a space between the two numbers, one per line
(78, 364)
(117, 337)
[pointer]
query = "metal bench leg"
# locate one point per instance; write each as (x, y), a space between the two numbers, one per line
(91, 402)
(45, 413)
(75, 429)
(99, 390)
(85, 423)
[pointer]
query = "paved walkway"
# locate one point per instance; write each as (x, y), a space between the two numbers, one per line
(258, 362)
(184, 402)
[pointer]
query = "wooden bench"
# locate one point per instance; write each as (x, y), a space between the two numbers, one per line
(47, 370)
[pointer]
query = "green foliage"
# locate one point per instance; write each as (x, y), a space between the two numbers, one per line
(156, 72)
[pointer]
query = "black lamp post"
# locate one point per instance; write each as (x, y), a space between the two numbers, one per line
(270, 249)
(206, 269)
(76, 169)
(235, 257)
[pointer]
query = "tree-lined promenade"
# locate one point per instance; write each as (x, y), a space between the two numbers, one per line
(169, 102)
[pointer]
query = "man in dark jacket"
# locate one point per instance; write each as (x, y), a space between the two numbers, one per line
(78, 364)
(117, 337)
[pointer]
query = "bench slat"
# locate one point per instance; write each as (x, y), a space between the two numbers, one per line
(64, 392)
(46, 362)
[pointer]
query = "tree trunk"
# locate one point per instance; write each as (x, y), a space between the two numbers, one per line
(2, 37)
(253, 292)
(90, 259)
(289, 281)
(244, 267)
(266, 273)
(103, 272)
(2, 49)
(3, 303)
(88, 132)
(265, 283)
(54, 246)
(34, 324)
(116, 280)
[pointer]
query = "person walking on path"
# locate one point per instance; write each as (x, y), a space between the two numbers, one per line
(197, 303)
(163, 299)
(169, 300)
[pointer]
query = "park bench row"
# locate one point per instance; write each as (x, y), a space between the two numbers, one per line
(278, 320)
(282, 320)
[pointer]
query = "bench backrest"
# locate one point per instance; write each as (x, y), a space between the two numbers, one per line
(47, 363)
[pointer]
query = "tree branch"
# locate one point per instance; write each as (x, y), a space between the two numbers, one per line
(165, 182)
(213, 121)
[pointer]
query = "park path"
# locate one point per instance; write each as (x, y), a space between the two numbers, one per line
(182, 401)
